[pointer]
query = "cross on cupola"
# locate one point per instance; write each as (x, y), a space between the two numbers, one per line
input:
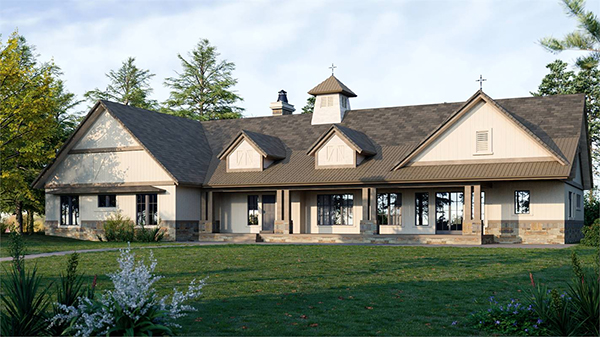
(332, 68)
(481, 80)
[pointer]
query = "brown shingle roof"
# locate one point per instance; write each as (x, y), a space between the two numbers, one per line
(268, 146)
(358, 140)
(188, 149)
(331, 86)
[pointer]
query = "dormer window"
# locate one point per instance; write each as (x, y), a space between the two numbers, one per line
(483, 142)
(252, 151)
(341, 147)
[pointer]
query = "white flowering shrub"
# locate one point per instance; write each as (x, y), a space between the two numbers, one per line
(133, 307)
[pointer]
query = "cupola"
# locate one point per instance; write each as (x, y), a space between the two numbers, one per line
(332, 101)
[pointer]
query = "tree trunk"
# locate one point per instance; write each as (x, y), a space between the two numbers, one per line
(29, 221)
(20, 216)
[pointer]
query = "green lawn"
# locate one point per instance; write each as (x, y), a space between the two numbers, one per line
(39, 243)
(339, 290)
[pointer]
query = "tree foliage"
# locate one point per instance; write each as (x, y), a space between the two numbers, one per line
(561, 81)
(129, 85)
(310, 105)
(29, 96)
(203, 89)
(585, 38)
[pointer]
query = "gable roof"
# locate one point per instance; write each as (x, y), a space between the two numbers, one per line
(331, 86)
(188, 149)
(480, 96)
(356, 139)
(268, 146)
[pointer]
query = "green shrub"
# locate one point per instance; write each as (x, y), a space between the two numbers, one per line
(68, 290)
(143, 234)
(118, 227)
(591, 234)
(24, 301)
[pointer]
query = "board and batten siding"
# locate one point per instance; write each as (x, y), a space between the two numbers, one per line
(336, 153)
(105, 132)
(458, 142)
(244, 157)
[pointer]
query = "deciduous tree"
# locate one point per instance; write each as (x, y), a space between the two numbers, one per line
(203, 89)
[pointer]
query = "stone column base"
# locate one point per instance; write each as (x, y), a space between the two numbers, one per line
(472, 228)
(281, 227)
(368, 227)
(206, 226)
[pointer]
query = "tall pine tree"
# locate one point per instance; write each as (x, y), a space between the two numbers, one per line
(203, 90)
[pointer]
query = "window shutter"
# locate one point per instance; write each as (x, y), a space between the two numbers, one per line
(482, 141)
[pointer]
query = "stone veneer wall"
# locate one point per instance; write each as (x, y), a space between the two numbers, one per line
(93, 230)
(535, 232)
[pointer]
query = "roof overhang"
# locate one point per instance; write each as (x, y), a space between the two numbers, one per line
(114, 189)
(334, 129)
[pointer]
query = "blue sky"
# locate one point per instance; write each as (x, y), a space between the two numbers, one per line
(388, 52)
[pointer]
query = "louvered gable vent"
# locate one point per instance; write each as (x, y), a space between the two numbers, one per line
(482, 141)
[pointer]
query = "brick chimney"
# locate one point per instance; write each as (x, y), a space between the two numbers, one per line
(282, 107)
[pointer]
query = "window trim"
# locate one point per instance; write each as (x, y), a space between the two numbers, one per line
(70, 211)
(578, 201)
(571, 204)
(417, 215)
(106, 196)
(450, 210)
(516, 202)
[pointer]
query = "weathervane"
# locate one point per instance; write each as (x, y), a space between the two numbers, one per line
(332, 68)
(481, 80)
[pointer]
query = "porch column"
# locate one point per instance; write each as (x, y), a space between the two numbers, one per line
(287, 210)
(206, 214)
(368, 225)
(472, 224)
(282, 212)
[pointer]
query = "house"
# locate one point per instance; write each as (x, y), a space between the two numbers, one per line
(480, 171)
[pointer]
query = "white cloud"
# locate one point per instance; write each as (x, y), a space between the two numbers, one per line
(389, 53)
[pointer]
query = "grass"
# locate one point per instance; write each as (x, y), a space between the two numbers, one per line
(39, 243)
(339, 290)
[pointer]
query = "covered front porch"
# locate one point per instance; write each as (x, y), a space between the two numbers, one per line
(388, 214)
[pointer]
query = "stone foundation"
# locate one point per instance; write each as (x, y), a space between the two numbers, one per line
(281, 227)
(534, 232)
(89, 230)
(369, 227)
(228, 237)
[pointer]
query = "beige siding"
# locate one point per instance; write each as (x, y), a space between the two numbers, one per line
(577, 168)
(508, 141)
(106, 132)
(298, 216)
(231, 209)
(188, 204)
(408, 212)
(546, 200)
(111, 167)
(576, 213)
(244, 157)
(335, 152)
(52, 207)
(311, 214)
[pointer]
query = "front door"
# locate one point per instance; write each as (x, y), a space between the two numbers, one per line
(268, 218)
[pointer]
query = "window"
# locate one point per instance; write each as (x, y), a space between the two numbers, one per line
(422, 209)
(252, 210)
(69, 210)
(482, 142)
(482, 205)
(578, 201)
(389, 208)
(522, 202)
(449, 207)
(335, 209)
(570, 204)
(326, 101)
(107, 200)
(146, 209)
